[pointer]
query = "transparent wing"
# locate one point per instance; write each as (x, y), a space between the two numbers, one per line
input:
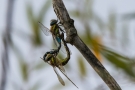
(66, 76)
(59, 77)
(63, 49)
(55, 42)
(62, 69)
(60, 66)
(45, 30)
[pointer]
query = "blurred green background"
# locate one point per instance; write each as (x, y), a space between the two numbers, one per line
(106, 27)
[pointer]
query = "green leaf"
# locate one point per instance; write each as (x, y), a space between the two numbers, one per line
(119, 61)
(24, 70)
(82, 66)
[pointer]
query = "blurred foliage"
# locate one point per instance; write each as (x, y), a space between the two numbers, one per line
(112, 25)
(33, 20)
(24, 70)
(119, 61)
(81, 66)
(94, 39)
(25, 66)
(129, 16)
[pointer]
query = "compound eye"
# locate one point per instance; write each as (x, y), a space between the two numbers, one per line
(48, 57)
(44, 56)
(53, 21)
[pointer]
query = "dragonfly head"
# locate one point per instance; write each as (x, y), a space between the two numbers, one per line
(48, 55)
(53, 21)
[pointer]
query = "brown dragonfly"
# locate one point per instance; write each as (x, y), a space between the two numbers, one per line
(51, 59)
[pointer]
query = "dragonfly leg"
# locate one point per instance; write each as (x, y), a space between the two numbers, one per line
(61, 29)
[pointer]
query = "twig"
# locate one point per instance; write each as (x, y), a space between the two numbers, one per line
(74, 39)
(6, 40)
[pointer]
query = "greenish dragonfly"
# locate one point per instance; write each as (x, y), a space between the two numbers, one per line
(56, 32)
(55, 52)
(51, 59)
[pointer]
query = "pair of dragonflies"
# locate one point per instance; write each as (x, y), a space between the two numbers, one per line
(50, 56)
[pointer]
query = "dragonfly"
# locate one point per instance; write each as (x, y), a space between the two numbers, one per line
(56, 32)
(54, 52)
(51, 59)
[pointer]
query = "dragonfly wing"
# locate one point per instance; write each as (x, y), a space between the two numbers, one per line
(57, 43)
(60, 45)
(63, 49)
(60, 66)
(62, 69)
(67, 77)
(45, 30)
(59, 77)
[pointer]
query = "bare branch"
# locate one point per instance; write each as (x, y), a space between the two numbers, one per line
(74, 39)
